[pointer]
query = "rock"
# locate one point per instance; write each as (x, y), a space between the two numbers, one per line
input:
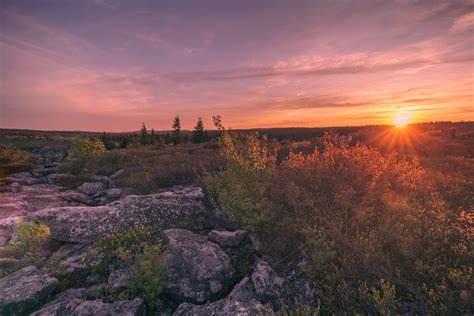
(104, 179)
(56, 177)
(8, 229)
(266, 286)
(197, 269)
(256, 240)
(73, 302)
(228, 238)
(118, 278)
(25, 290)
(116, 174)
(223, 308)
(70, 260)
(78, 197)
(24, 178)
(114, 193)
(46, 171)
(92, 188)
(85, 224)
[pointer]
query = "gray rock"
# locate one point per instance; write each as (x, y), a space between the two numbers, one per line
(223, 308)
(46, 171)
(92, 188)
(104, 179)
(25, 290)
(197, 269)
(84, 224)
(266, 286)
(24, 178)
(118, 278)
(73, 302)
(78, 197)
(228, 238)
(56, 177)
(114, 193)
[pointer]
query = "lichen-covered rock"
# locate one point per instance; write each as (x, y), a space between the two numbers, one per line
(24, 178)
(25, 290)
(197, 269)
(267, 287)
(73, 302)
(228, 238)
(84, 224)
(223, 308)
(92, 188)
(78, 197)
(119, 278)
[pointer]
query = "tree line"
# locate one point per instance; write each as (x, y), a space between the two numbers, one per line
(151, 138)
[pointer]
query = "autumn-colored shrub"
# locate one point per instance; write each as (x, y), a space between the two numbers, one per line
(14, 160)
(369, 228)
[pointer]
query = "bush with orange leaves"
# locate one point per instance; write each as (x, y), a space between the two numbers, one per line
(368, 227)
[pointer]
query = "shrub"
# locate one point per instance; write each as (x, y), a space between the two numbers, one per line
(14, 160)
(149, 280)
(356, 217)
(30, 248)
(88, 148)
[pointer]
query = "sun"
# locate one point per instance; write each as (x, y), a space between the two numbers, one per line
(401, 119)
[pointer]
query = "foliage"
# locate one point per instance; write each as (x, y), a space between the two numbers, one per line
(14, 160)
(240, 189)
(176, 136)
(199, 135)
(143, 135)
(140, 246)
(149, 169)
(149, 280)
(372, 228)
(30, 248)
(88, 149)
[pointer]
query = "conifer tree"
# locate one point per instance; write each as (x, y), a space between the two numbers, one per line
(152, 137)
(143, 135)
(176, 137)
(199, 135)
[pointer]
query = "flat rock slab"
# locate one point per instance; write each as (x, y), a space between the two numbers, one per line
(85, 224)
(72, 302)
(92, 188)
(197, 269)
(25, 290)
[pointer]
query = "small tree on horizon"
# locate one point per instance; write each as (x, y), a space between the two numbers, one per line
(176, 137)
(152, 137)
(199, 135)
(143, 135)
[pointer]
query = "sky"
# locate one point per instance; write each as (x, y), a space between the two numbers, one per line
(106, 65)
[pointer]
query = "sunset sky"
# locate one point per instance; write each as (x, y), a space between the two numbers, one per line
(111, 65)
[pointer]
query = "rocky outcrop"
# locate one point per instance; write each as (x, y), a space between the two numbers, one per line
(267, 287)
(83, 224)
(197, 269)
(223, 308)
(73, 302)
(228, 238)
(25, 290)
(92, 188)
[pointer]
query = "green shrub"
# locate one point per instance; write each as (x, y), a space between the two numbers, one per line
(142, 246)
(30, 248)
(86, 153)
(14, 160)
(149, 280)
(356, 216)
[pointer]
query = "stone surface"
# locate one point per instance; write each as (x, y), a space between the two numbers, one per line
(92, 188)
(84, 224)
(228, 238)
(116, 174)
(78, 197)
(73, 302)
(223, 308)
(118, 278)
(25, 290)
(197, 269)
(267, 287)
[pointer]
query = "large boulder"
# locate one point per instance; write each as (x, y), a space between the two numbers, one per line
(25, 290)
(223, 308)
(73, 302)
(92, 188)
(198, 270)
(24, 178)
(84, 224)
